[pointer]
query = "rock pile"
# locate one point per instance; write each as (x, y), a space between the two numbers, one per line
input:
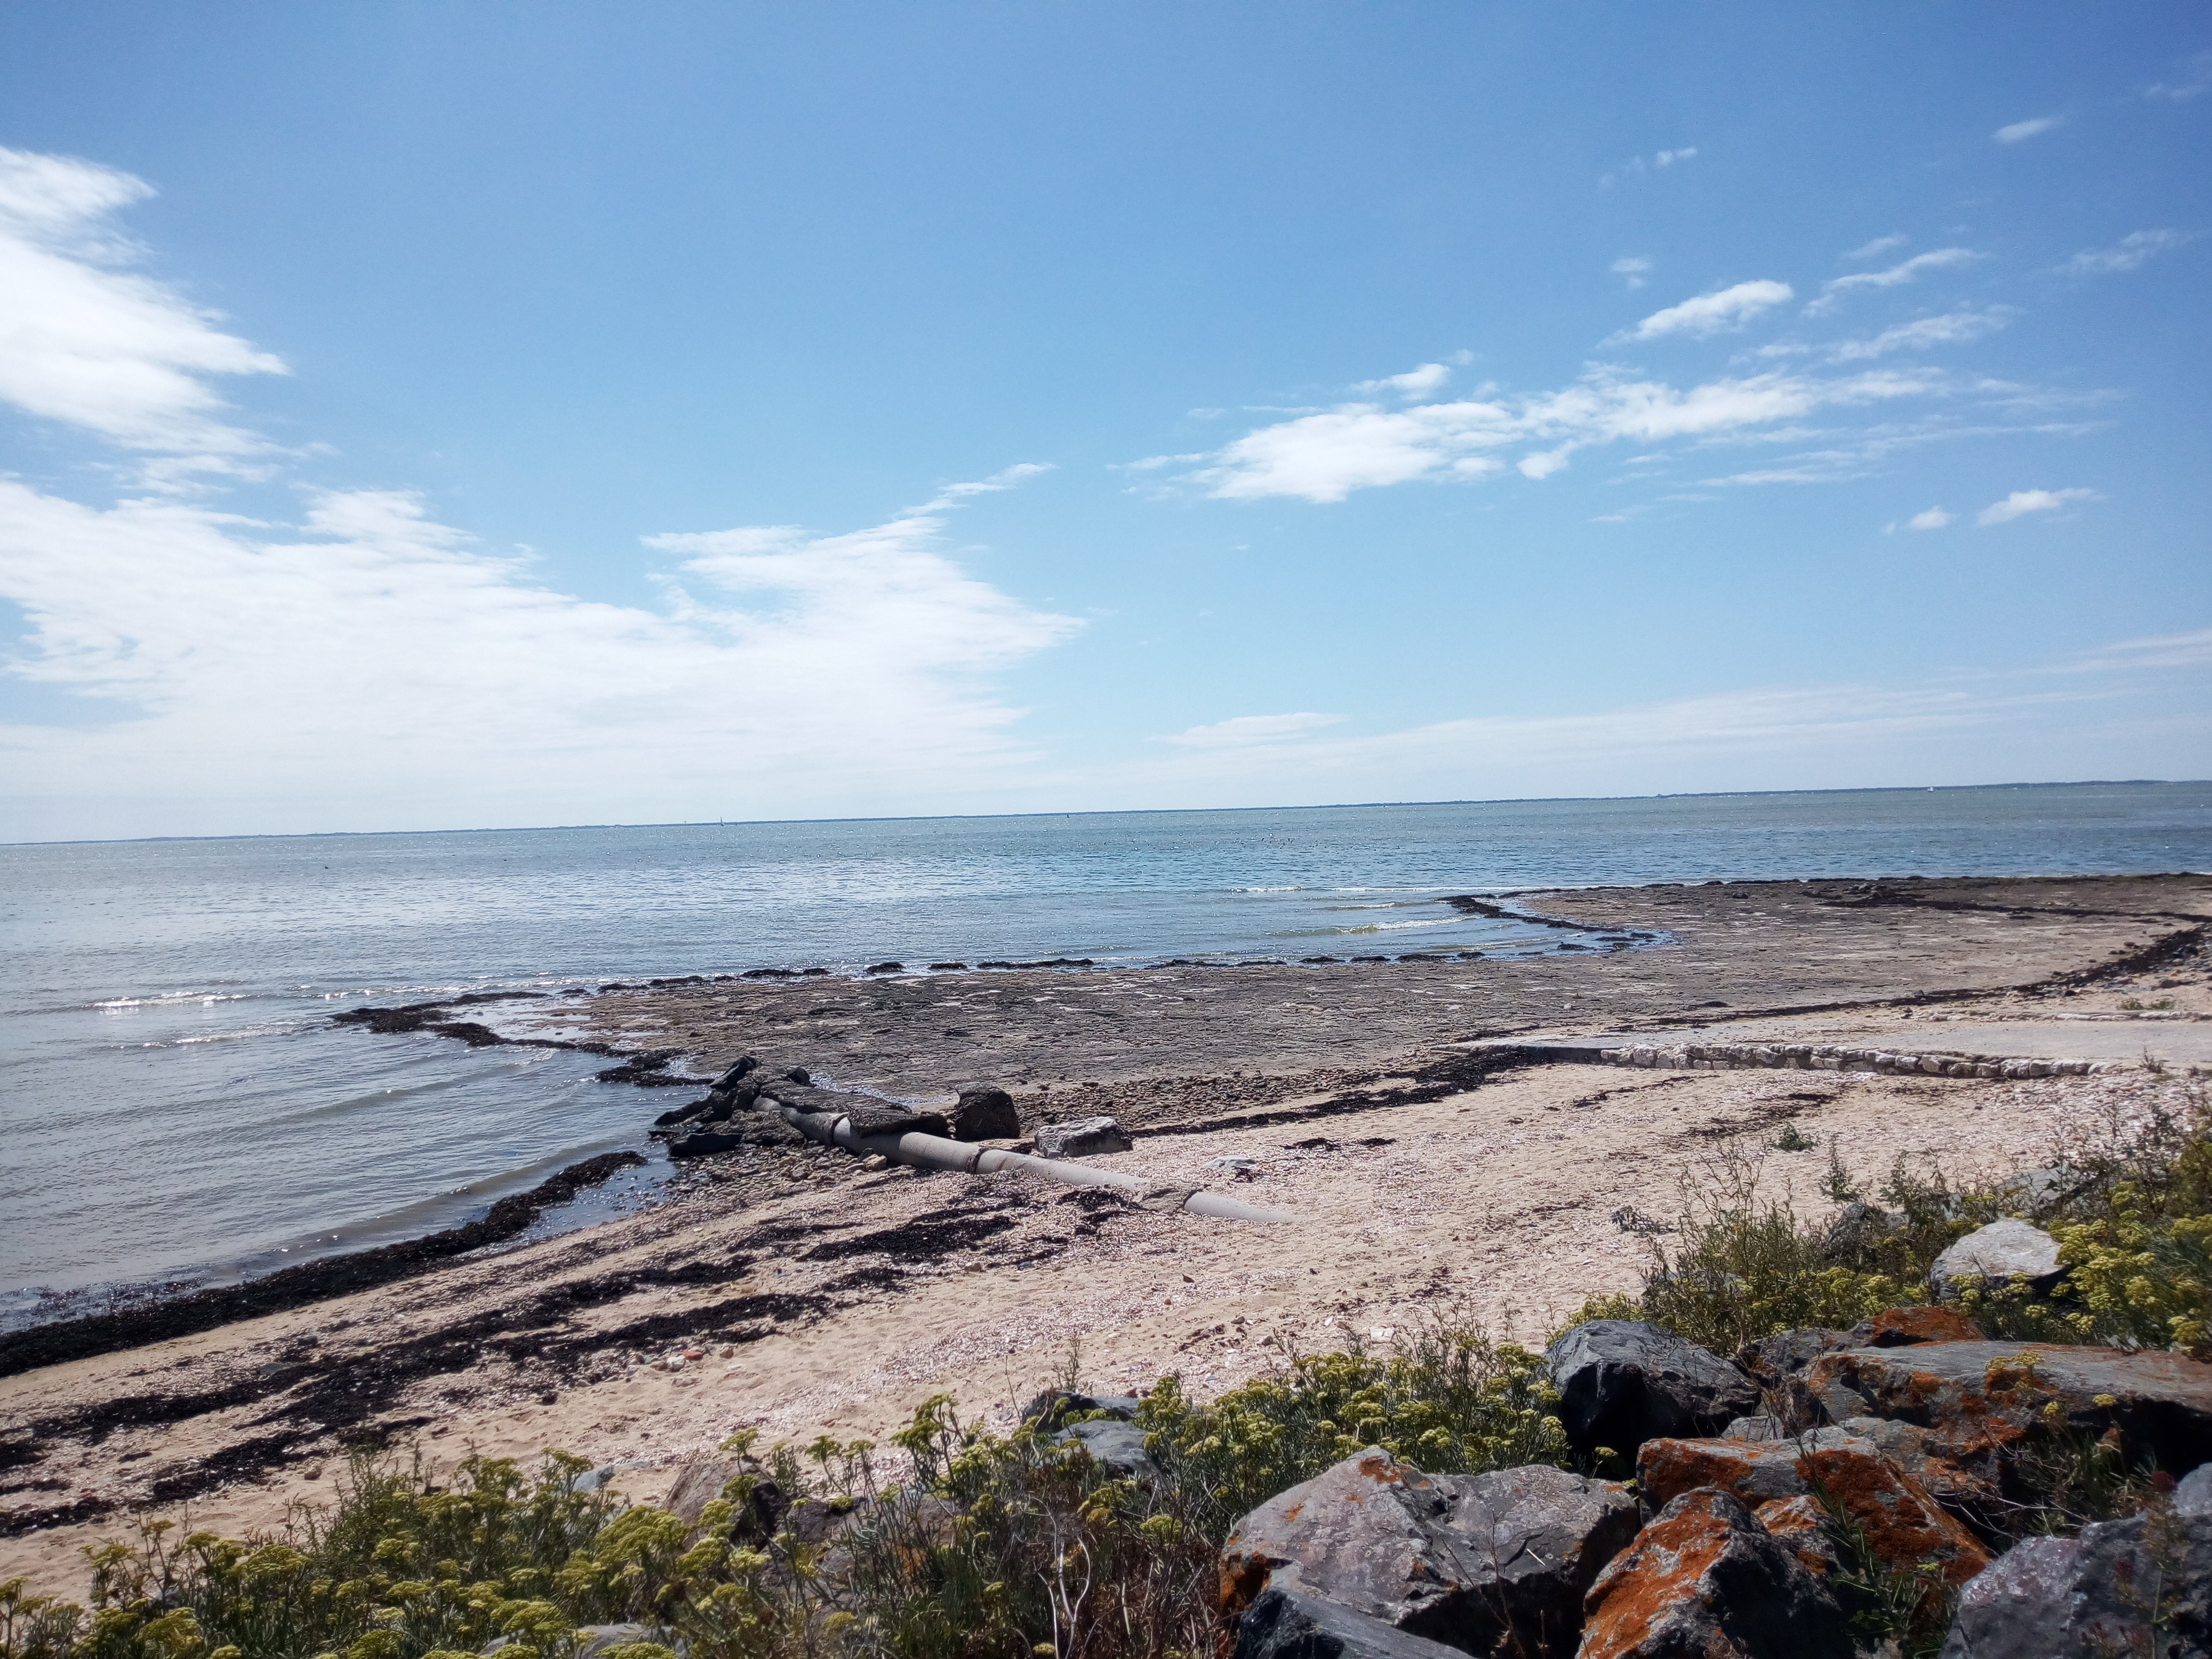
(1882, 1468)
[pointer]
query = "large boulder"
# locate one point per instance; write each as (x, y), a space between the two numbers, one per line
(2002, 1251)
(1622, 1382)
(2139, 1586)
(1362, 1533)
(1902, 1524)
(1487, 1564)
(1542, 1536)
(1705, 1581)
(1978, 1400)
(1285, 1625)
(1082, 1137)
(985, 1114)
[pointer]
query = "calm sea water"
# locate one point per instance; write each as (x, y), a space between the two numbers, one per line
(176, 1103)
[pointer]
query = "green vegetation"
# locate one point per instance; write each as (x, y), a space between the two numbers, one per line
(2133, 1219)
(1015, 1547)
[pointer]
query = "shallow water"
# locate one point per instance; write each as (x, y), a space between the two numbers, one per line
(177, 1102)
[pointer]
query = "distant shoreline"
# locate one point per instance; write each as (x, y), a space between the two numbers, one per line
(1126, 811)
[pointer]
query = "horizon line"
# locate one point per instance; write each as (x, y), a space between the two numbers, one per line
(1117, 812)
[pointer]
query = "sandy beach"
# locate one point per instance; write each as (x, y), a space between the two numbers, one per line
(1422, 1176)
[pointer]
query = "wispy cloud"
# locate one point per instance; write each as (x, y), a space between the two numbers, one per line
(2198, 78)
(1658, 161)
(2190, 650)
(953, 494)
(2130, 253)
(1414, 383)
(1246, 730)
(1711, 313)
(86, 340)
(2021, 131)
(2022, 502)
(1953, 328)
(1834, 290)
(1872, 250)
(1325, 457)
(1934, 519)
(1632, 267)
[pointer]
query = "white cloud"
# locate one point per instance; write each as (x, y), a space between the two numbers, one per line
(1325, 457)
(373, 664)
(1632, 267)
(2199, 78)
(1896, 275)
(1414, 383)
(2190, 650)
(1248, 729)
(1874, 249)
(953, 494)
(2021, 130)
(1934, 519)
(2130, 253)
(1953, 328)
(1710, 314)
(2022, 502)
(1658, 162)
(88, 343)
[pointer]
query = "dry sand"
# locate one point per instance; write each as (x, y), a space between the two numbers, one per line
(850, 1298)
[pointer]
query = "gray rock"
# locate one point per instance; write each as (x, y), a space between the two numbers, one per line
(704, 1143)
(1489, 1564)
(2002, 1250)
(2194, 1495)
(1537, 1538)
(986, 1114)
(593, 1640)
(1118, 1448)
(2138, 1586)
(1705, 1579)
(1285, 1625)
(1759, 1427)
(1054, 1406)
(1622, 1382)
(1082, 1137)
(1773, 1360)
(1361, 1532)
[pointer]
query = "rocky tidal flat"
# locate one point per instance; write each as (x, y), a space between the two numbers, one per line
(1414, 1116)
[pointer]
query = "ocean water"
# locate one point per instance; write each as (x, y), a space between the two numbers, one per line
(177, 1105)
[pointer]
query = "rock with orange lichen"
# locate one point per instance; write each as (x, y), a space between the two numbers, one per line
(1979, 1401)
(1488, 1563)
(1805, 1527)
(1902, 1327)
(1902, 1525)
(1705, 1581)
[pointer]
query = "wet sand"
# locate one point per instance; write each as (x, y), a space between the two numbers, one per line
(1421, 1176)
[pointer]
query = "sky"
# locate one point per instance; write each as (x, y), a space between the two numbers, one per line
(459, 415)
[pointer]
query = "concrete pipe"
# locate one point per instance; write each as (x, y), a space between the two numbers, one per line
(936, 1152)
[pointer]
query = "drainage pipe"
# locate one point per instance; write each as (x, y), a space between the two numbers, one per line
(936, 1152)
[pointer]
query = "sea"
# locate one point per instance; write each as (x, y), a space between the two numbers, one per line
(179, 1110)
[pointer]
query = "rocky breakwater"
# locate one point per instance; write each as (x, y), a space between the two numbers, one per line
(1883, 1489)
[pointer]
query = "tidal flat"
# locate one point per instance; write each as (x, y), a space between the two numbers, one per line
(825, 1297)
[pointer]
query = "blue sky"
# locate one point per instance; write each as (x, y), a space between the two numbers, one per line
(419, 417)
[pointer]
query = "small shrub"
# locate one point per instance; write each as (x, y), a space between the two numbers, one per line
(1451, 1400)
(1793, 1139)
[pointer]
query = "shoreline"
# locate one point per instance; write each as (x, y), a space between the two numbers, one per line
(1405, 1119)
(165, 1315)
